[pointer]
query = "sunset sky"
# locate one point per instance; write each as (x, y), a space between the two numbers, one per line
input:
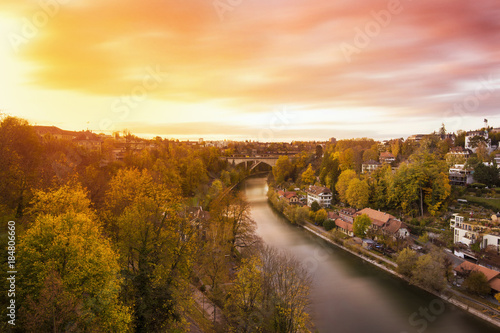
(252, 69)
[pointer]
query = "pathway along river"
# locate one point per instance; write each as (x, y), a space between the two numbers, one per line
(349, 295)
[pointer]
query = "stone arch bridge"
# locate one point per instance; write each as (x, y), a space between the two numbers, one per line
(252, 162)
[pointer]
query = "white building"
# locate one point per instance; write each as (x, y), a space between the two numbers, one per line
(468, 233)
(464, 232)
(472, 134)
(491, 240)
(370, 166)
(459, 175)
(320, 194)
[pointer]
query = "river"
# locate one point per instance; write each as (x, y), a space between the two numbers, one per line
(349, 295)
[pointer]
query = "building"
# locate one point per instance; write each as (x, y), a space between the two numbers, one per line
(347, 214)
(370, 166)
(54, 132)
(459, 175)
(497, 160)
(447, 136)
(416, 137)
(460, 152)
(464, 232)
(396, 228)
(493, 277)
(322, 195)
(387, 157)
(344, 227)
(471, 232)
(289, 197)
(333, 216)
(378, 218)
(472, 134)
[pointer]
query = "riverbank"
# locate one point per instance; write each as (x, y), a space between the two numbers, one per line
(452, 297)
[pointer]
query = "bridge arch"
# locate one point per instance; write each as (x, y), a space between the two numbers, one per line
(255, 161)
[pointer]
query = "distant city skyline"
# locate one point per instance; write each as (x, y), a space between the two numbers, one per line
(253, 70)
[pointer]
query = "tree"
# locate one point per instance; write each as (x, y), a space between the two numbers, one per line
(308, 176)
(70, 197)
(476, 141)
(361, 225)
(347, 159)
(328, 224)
(460, 138)
(20, 156)
(488, 175)
(477, 283)
(283, 169)
(319, 151)
(56, 309)
(430, 271)
(406, 260)
(231, 217)
(422, 183)
(370, 154)
(245, 296)
(442, 130)
(329, 170)
(357, 194)
(315, 206)
(156, 241)
(321, 216)
(66, 255)
(343, 184)
(286, 286)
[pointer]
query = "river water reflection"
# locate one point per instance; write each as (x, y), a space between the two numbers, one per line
(350, 295)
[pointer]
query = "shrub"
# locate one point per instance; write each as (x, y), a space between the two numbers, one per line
(328, 225)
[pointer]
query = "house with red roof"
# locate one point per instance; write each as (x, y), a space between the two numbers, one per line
(493, 277)
(386, 157)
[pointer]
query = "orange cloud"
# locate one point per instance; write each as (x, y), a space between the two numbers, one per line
(265, 53)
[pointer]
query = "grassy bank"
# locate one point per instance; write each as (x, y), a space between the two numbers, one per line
(493, 204)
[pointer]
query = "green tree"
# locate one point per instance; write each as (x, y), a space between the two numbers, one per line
(488, 175)
(477, 283)
(308, 176)
(420, 184)
(329, 170)
(357, 194)
(343, 184)
(361, 225)
(406, 260)
(328, 225)
(315, 206)
(67, 255)
(156, 240)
